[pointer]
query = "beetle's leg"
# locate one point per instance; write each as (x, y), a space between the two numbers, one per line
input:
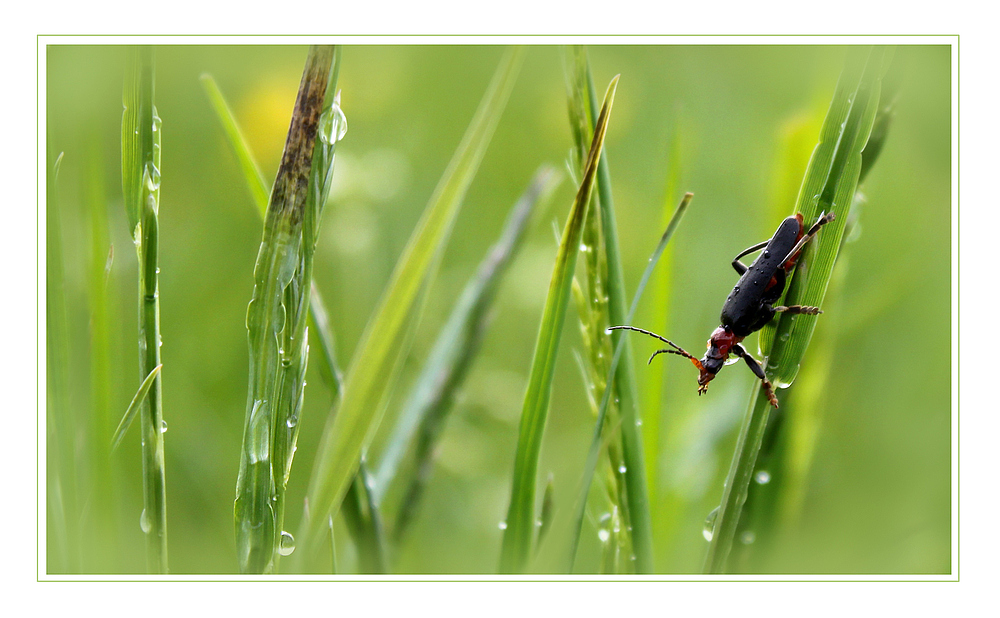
(740, 266)
(798, 309)
(828, 217)
(757, 371)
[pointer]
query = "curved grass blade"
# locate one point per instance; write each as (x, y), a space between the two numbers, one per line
(596, 442)
(519, 535)
(425, 412)
(141, 188)
(251, 172)
(374, 369)
(829, 186)
(636, 511)
(133, 407)
(276, 317)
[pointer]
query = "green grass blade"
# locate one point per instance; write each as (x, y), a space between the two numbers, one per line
(99, 309)
(319, 322)
(789, 440)
(425, 411)
(320, 327)
(251, 172)
(141, 187)
(631, 436)
(591, 295)
(829, 186)
(133, 407)
(596, 442)
(374, 368)
(364, 521)
(658, 316)
(276, 317)
(520, 531)
(361, 515)
(64, 551)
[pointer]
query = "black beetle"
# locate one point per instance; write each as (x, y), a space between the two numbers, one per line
(750, 305)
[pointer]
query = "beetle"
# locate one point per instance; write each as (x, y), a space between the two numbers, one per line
(750, 305)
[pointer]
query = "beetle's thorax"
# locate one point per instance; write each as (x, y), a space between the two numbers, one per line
(720, 345)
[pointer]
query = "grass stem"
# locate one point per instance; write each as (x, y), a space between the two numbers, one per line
(141, 186)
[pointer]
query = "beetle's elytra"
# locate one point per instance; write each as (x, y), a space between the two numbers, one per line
(751, 303)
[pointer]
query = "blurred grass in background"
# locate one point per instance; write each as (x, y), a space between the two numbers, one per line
(877, 493)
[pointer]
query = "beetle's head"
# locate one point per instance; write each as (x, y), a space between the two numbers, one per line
(720, 344)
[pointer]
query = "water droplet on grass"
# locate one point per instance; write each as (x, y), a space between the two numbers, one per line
(762, 477)
(163, 426)
(144, 522)
(502, 525)
(708, 530)
(287, 543)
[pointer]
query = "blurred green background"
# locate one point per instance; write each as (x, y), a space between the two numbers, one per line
(869, 417)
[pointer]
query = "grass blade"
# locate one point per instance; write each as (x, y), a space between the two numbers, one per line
(427, 407)
(64, 553)
(637, 509)
(374, 368)
(251, 172)
(596, 442)
(519, 534)
(319, 322)
(829, 185)
(133, 407)
(99, 309)
(361, 513)
(276, 317)
(789, 441)
(141, 187)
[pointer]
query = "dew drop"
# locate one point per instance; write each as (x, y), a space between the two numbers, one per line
(287, 543)
(163, 426)
(502, 525)
(152, 177)
(708, 530)
(748, 537)
(260, 433)
(785, 336)
(144, 522)
(292, 421)
(604, 535)
(762, 477)
(622, 469)
(333, 124)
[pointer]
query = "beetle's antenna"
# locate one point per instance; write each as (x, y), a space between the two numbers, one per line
(665, 351)
(678, 350)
